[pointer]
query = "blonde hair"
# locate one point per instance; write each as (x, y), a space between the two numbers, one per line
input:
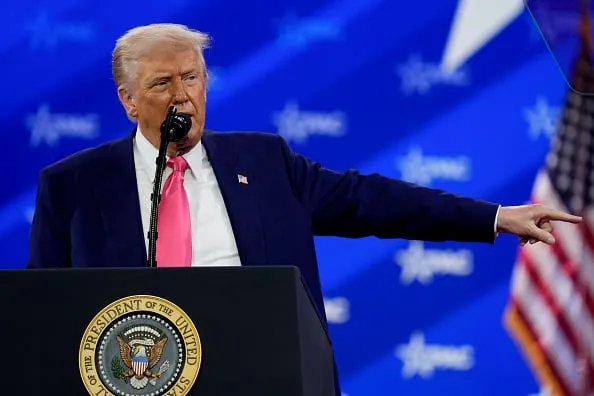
(138, 42)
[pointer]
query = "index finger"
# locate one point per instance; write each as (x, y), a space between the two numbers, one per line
(554, 214)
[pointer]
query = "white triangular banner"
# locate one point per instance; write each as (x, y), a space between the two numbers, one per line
(476, 22)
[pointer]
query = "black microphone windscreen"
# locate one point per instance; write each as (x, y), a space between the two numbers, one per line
(181, 123)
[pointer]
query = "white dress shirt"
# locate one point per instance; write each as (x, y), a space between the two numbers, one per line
(213, 242)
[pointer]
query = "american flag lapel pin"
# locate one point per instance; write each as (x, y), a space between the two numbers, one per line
(242, 179)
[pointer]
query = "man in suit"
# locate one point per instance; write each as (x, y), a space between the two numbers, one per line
(249, 199)
(230, 199)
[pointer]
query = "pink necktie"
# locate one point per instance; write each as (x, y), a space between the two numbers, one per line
(174, 239)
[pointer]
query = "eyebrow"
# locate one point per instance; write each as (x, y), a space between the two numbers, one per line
(167, 76)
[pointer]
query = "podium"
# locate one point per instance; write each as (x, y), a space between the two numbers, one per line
(246, 331)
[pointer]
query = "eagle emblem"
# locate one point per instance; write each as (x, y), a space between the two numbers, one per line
(140, 356)
(140, 350)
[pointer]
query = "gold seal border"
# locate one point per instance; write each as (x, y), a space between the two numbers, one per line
(189, 374)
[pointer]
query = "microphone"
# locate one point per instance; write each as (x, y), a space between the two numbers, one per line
(175, 127)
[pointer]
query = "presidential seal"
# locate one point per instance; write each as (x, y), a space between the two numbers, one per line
(140, 346)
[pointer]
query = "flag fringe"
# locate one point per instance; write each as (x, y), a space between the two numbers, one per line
(519, 332)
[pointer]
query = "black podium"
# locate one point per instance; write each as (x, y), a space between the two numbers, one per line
(248, 331)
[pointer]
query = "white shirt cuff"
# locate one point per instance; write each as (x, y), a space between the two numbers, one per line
(495, 225)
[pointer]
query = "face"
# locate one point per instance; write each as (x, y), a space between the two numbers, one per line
(168, 78)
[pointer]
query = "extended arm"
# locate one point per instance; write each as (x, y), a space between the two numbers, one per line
(353, 205)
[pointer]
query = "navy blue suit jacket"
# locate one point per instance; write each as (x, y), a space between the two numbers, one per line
(87, 211)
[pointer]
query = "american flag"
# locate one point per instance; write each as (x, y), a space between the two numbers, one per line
(551, 309)
(242, 179)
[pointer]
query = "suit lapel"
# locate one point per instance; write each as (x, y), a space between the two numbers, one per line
(117, 195)
(237, 183)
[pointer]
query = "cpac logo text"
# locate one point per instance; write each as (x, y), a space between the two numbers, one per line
(47, 33)
(338, 310)
(298, 32)
(49, 128)
(421, 359)
(420, 264)
(418, 77)
(422, 169)
(297, 125)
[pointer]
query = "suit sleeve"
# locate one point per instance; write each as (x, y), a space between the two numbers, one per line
(353, 205)
(49, 245)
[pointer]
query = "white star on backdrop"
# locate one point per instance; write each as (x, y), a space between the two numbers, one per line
(477, 22)
(542, 119)
(414, 359)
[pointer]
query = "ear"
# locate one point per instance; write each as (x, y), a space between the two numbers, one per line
(127, 101)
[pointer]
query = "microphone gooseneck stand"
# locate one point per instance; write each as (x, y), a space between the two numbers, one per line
(156, 195)
(174, 127)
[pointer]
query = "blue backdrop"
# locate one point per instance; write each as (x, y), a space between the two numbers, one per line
(353, 84)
